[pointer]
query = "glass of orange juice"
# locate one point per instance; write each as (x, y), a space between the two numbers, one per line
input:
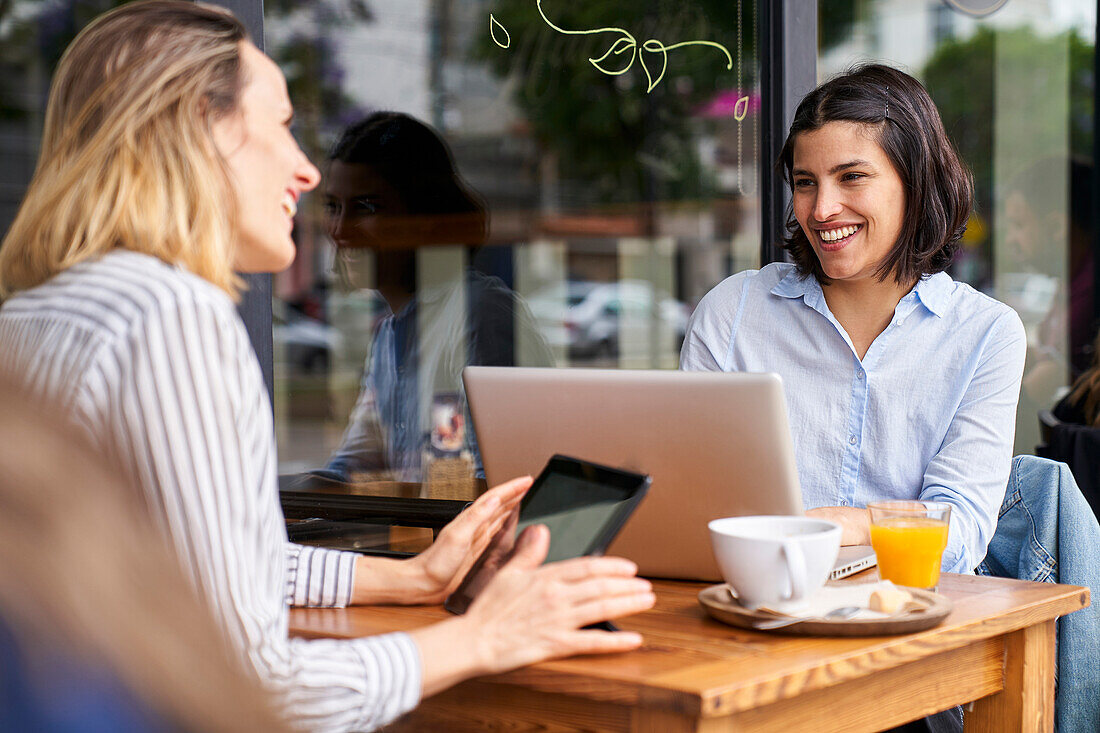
(909, 538)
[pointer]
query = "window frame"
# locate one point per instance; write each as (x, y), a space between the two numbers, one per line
(255, 304)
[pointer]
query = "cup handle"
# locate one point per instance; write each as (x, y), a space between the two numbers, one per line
(796, 569)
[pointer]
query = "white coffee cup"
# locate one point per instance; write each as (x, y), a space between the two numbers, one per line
(774, 559)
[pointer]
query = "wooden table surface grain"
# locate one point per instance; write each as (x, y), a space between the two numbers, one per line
(696, 674)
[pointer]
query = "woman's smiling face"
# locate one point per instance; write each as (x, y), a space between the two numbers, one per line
(848, 199)
(268, 170)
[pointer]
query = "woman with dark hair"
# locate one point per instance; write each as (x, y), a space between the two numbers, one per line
(1082, 405)
(901, 383)
(391, 187)
(391, 190)
(1075, 437)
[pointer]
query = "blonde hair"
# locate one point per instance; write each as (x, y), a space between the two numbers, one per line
(127, 156)
(85, 575)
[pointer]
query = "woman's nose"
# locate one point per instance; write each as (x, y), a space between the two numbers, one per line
(337, 225)
(827, 204)
(307, 174)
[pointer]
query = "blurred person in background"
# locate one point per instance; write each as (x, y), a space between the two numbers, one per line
(1053, 298)
(167, 164)
(1082, 405)
(391, 189)
(99, 629)
(1075, 438)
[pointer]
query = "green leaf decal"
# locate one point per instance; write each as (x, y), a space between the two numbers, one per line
(495, 29)
(739, 109)
(624, 44)
(653, 46)
(627, 43)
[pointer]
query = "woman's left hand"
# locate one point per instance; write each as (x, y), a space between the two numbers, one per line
(855, 524)
(432, 575)
(444, 564)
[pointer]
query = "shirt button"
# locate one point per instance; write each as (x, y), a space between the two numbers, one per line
(852, 440)
(859, 374)
(844, 502)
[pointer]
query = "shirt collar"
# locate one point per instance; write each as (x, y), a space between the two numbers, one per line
(795, 285)
(933, 291)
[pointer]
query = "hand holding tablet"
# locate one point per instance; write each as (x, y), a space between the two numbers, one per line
(584, 505)
(518, 610)
(530, 612)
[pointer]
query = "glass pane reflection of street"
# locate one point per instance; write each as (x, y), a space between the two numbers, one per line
(491, 196)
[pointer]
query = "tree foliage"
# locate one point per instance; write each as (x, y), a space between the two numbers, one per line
(960, 78)
(614, 140)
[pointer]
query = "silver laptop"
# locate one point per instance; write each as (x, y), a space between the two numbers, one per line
(716, 445)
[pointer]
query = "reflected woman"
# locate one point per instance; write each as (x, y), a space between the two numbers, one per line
(394, 198)
(901, 383)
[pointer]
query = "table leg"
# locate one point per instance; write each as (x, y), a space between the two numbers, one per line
(1026, 704)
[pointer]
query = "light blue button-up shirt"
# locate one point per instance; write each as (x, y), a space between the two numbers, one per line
(928, 413)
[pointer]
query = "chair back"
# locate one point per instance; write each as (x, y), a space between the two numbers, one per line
(1047, 423)
(1078, 446)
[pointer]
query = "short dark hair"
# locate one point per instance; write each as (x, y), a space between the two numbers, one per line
(939, 188)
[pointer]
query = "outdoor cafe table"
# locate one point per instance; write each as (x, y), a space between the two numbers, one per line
(695, 674)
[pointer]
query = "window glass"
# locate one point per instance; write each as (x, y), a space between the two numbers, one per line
(1014, 82)
(512, 183)
(32, 37)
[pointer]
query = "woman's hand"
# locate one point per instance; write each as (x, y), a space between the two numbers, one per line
(430, 577)
(442, 566)
(529, 613)
(855, 523)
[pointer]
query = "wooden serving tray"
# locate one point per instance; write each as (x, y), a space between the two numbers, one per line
(718, 603)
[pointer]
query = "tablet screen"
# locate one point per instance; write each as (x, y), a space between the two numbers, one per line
(576, 509)
(583, 504)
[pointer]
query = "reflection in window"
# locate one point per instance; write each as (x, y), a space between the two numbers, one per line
(408, 232)
(33, 34)
(602, 209)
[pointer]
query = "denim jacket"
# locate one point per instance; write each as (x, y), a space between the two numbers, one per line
(1046, 532)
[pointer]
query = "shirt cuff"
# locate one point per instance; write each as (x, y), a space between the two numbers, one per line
(394, 661)
(956, 555)
(318, 577)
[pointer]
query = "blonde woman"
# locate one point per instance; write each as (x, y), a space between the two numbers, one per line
(167, 164)
(98, 628)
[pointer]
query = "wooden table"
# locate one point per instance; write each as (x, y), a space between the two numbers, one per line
(695, 674)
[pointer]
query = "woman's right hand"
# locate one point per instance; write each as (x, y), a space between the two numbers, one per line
(531, 612)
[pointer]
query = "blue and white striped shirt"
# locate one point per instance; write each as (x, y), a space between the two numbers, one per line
(154, 364)
(928, 413)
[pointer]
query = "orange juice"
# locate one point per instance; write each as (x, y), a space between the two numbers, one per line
(909, 549)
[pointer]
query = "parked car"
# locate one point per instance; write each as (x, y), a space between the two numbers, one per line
(303, 345)
(598, 319)
(550, 307)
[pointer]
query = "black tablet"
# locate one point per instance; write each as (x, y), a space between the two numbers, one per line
(583, 504)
